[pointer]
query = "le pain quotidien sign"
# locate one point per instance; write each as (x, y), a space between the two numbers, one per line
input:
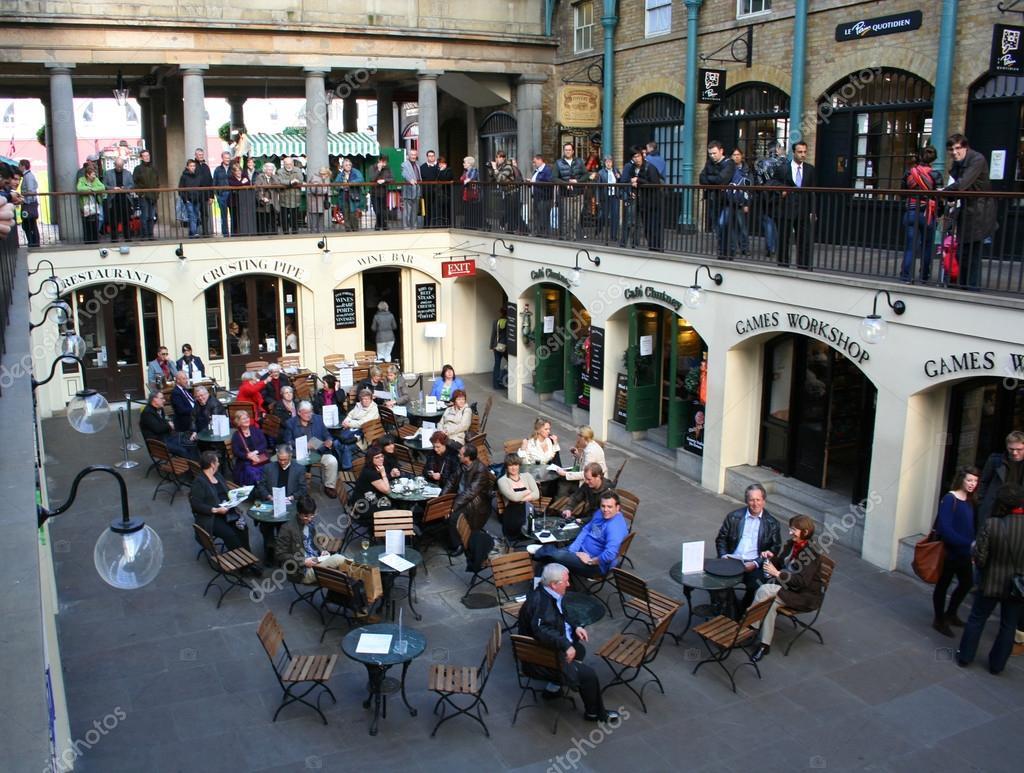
(804, 323)
(880, 25)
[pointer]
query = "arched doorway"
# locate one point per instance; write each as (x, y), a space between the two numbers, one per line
(753, 117)
(817, 415)
(497, 132)
(121, 332)
(657, 117)
(252, 317)
(982, 411)
(475, 302)
(561, 325)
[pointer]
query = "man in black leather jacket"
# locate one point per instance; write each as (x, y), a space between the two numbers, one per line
(543, 617)
(730, 542)
(472, 485)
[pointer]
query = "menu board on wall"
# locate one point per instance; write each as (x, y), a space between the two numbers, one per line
(344, 308)
(512, 326)
(621, 385)
(426, 302)
(595, 376)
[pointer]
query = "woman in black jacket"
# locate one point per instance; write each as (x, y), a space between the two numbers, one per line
(208, 491)
(442, 462)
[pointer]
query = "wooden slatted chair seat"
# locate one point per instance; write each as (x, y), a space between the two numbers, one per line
(228, 565)
(255, 366)
(723, 635)
(346, 595)
(172, 470)
(292, 671)
(627, 655)
(533, 658)
(510, 570)
(393, 520)
(450, 681)
(828, 565)
(486, 413)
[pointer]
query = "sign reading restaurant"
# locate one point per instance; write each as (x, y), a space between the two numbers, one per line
(881, 25)
(115, 275)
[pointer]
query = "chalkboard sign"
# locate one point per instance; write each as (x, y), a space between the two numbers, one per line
(426, 303)
(512, 326)
(344, 308)
(595, 376)
(621, 386)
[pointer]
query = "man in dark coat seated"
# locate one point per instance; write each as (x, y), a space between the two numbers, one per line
(747, 534)
(183, 403)
(472, 485)
(154, 424)
(284, 474)
(543, 617)
(207, 406)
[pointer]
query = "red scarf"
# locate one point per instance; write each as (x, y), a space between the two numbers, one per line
(798, 545)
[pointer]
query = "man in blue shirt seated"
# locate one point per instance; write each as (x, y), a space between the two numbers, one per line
(594, 550)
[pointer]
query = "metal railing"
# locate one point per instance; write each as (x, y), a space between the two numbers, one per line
(8, 264)
(883, 234)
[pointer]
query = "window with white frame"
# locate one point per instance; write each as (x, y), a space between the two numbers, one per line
(750, 7)
(658, 18)
(583, 26)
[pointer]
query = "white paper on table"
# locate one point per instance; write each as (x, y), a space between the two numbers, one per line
(271, 344)
(314, 444)
(646, 346)
(374, 644)
(428, 426)
(220, 425)
(400, 410)
(554, 467)
(431, 491)
(280, 501)
(236, 495)
(693, 557)
(394, 542)
(549, 324)
(301, 447)
(345, 377)
(397, 563)
(548, 537)
(330, 415)
(430, 403)
(380, 394)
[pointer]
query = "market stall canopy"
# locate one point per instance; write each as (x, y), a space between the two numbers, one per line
(294, 144)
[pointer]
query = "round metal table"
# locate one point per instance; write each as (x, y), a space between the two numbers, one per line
(388, 575)
(377, 666)
(704, 581)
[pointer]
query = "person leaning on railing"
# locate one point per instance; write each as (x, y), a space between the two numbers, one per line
(146, 177)
(91, 203)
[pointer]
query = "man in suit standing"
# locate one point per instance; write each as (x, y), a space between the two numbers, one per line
(999, 554)
(411, 189)
(748, 534)
(428, 174)
(119, 180)
(797, 208)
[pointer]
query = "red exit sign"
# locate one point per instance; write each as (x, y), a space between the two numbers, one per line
(456, 268)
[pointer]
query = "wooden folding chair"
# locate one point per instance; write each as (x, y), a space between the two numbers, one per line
(722, 635)
(628, 503)
(544, 664)
(628, 655)
(478, 578)
(345, 594)
(594, 585)
(486, 413)
(237, 406)
(407, 462)
(304, 387)
(228, 565)
(614, 480)
(271, 427)
(372, 431)
(366, 357)
(512, 445)
(393, 520)
(255, 366)
(452, 681)
(483, 450)
(289, 361)
(640, 604)
(827, 567)
(388, 419)
(294, 671)
(434, 523)
(172, 470)
(509, 570)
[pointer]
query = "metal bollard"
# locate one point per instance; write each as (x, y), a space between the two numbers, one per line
(124, 421)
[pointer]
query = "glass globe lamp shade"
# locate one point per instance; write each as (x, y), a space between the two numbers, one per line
(574, 276)
(492, 261)
(62, 315)
(695, 296)
(128, 556)
(71, 344)
(51, 289)
(88, 412)
(873, 329)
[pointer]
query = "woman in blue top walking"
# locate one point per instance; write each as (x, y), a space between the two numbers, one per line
(954, 525)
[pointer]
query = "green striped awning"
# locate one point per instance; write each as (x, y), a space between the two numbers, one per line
(290, 144)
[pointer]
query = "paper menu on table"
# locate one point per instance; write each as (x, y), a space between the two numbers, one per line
(301, 447)
(693, 557)
(428, 427)
(394, 541)
(280, 501)
(330, 415)
(374, 644)
(345, 377)
(545, 537)
(220, 425)
(380, 394)
(431, 491)
(397, 563)
(400, 410)
(554, 467)
(430, 403)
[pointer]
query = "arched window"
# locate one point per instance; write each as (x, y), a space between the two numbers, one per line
(657, 117)
(88, 114)
(752, 117)
(9, 114)
(498, 132)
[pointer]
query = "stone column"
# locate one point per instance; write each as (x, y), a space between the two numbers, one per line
(237, 105)
(146, 120)
(385, 117)
(63, 140)
(428, 134)
(316, 119)
(529, 99)
(350, 115)
(194, 98)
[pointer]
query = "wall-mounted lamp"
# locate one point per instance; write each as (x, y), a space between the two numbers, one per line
(50, 287)
(873, 329)
(71, 345)
(120, 92)
(574, 277)
(124, 249)
(695, 294)
(527, 329)
(88, 411)
(39, 267)
(128, 554)
(104, 252)
(180, 252)
(324, 249)
(62, 316)
(492, 260)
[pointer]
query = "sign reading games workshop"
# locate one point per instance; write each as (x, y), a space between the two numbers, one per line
(881, 25)
(804, 323)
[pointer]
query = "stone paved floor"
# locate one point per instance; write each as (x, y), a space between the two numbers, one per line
(197, 694)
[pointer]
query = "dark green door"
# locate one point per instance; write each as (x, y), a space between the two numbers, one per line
(678, 406)
(571, 371)
(643, 363)
(549, 373)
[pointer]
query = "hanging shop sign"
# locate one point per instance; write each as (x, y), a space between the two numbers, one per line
(344, 308)
(457, 268)
(712, 85)
(426, 302)
(512, 331)
(621, 389)
(595, 373)
(579, 106)
(804, 323)
(1007, 57)
(880, 25)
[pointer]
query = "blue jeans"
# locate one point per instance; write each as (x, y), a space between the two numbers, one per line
(739, 236)
(497, 375)
(610, 217)
(1009, 615)
(920, 243)
(722, 230)
(193, 217)
(343, 448)
(549, 554)
(771, 234)
(222, 200)
(148, 212)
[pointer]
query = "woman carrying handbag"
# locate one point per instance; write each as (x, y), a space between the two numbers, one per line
(954, 526)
